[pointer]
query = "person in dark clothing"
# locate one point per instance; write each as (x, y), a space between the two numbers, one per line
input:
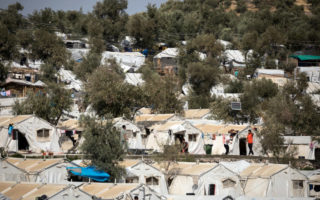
(136, 198)
(185, 146)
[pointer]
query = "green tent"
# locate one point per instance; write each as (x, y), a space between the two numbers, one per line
(305, 57)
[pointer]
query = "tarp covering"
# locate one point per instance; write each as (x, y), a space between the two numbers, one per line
(126, 60)
(168, 53)
(305, 57)
(70, 79)
(90, 172)
(134, 79)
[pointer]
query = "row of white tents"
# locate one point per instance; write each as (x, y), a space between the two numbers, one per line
(151, 132)
(191, 180)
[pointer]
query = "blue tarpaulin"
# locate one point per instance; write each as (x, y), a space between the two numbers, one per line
(90, 172)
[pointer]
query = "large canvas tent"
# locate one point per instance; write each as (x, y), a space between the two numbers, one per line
(273, 180)
(133, 133)
(169, 134)
(30, 133)
(208, 179)
(35, 170)
(143, 173)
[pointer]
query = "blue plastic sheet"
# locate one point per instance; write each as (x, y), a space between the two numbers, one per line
(90, 172)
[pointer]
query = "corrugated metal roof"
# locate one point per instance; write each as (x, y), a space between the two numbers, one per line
(196, 113)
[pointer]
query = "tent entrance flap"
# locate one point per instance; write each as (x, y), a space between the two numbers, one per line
(89, 172)
(243, 146)
(22, 142)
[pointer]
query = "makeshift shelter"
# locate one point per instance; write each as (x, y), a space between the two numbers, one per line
(71, 133)
(36, 170)
(30, 133)
(306, 60)
(128, 61)
(143, 173)
(312, 73)
(269, 72)
(197, 113)
(166, 62)
(300, 144)
(20, 88)
(133, 133)
(273, 180)
(134, 79)
(171, 132)
(234, 58)
(69, 78)
(78, 54)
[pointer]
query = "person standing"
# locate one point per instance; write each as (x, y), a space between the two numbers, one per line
(226, 140)
(123, 137)
(250, 141)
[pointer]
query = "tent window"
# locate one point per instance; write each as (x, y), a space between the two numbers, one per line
(297, 185)
(316, 188)
(228, 183)
(192, 138)
(132, 180)
(152, 181)
(43, 133)
(212, 189)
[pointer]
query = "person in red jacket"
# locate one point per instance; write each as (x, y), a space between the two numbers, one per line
(250, 141)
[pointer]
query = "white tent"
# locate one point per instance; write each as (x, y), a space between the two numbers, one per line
(168, 53)
(134, 79)
(167, 133)
(126, 60)
(33, 133)
(235, 58)
(35, 170)
(133, 132)
(273, 180)
(70, 79)
(144, 173)
(78, 54)
(301, 144)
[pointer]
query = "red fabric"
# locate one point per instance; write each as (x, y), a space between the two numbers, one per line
(250, 138)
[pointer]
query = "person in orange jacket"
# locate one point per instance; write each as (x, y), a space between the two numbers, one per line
(250, 141)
